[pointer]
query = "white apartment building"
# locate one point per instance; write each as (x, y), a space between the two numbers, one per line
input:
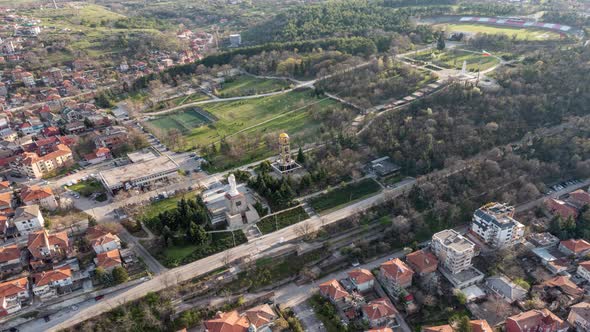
(584, 270)
(28, 219)
(453, 250)
(495, 225)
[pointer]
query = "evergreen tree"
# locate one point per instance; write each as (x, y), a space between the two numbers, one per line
(300, 156)
(120, 275)
(440, 43)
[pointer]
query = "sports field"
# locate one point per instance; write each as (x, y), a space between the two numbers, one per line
(185, 121)
(286, 112)
(520, 33)
(454, 59)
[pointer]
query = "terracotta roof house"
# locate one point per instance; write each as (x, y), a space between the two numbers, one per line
(227, 322)
(99, 155)
(5, 185)
(536, 320)
(261, 315)
(46, 283)
(396, 274)
(584, 270)
(42, 196)
(381, 329)
(561, 208)
(94, 232)
(9, 258)
(6, 200)
(565, 284)
(362, 279)
(579, 198)
(28, 219)
(422, 261)
(108, 260)
(574, 247)
(476, 326)
(106, 242)
(45, 248)
(12, 293)
(333, 291)
(380, 312)
(579, 316)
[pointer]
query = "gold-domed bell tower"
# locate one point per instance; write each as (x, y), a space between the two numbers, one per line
(285, 161)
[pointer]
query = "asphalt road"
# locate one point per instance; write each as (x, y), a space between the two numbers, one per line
(253, 250)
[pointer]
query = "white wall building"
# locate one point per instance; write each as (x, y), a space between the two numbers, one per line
(28, 219)
(584, 270)
(495, 225)
(453, 250)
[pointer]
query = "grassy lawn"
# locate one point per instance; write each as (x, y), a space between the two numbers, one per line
(170, 203)
(87, 188)
(344, 195)
(181, 254)
(288, 112)
(178, 101)
(520, 33)
(454, 59)
(185, 121)
(247, 85)
(281, 220)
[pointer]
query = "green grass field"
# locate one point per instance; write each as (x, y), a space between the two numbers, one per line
(281, 220)
(177, 101)
(176, 255)
(87, 188)
(248, 85)
(344, 195)
(454, 59)
(184, 121)
(520, 33)
(285, 112)
(152, 210)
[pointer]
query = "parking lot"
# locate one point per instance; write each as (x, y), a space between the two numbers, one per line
(310, 322)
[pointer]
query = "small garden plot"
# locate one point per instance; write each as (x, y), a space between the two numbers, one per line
(280, 220)
(345, 195)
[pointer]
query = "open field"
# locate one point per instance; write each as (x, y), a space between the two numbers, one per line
(181, 254)
(286, 112)
(520, 33)
(155, 208)
(344, 195)
(454, 59)
(247, 85)
(184, 121)
(177, 101)
(281, 220)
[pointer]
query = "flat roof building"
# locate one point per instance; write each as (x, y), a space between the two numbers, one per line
(139, 174)
(495, 225)
(453, 250)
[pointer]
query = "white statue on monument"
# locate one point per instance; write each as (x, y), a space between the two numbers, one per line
(233, 187)
(464, 68)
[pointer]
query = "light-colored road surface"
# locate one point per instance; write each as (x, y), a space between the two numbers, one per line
(253, 250)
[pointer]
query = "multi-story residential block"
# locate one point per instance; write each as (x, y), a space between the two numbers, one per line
(396, 275)
(495, 225)
(579, 317)
(12, 293)
(536, 320)
(37, 195)
(47, 283)
(35, 166)
(28, 219)
(453, 250)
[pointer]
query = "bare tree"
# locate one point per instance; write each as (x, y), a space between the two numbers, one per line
(226, 258)
(304, 230)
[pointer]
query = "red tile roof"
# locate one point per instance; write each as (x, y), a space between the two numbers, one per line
(379, 308)
(9, 253)
(535, 320)
(476, 326)
(360, 276)
(13, 287)
(104, 239)
(580, 196)
(333, 289)
(260, 315)
(576, 246)
(565, 285)
(397, 270)
(40, 239)
(34, 193)
(46, 277)
(561, 208)
(227, 322)
(109, 259)
(422, 261)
